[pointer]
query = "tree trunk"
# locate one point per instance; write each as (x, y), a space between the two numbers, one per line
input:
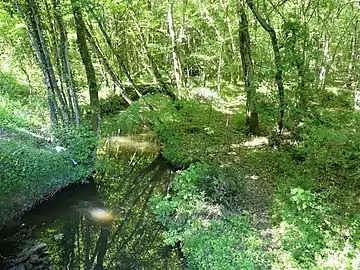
(252, 119)
(325, 63)
(354, 69)
(64, 110)
(107, 66)
(64, 55)
(160, 80)
(176, 61)
(89, 68)
(35, 43)
(278, 63)
(117, 55)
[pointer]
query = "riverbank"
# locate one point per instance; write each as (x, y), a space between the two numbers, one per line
(106, 223)
(281, 194)
(33, 169)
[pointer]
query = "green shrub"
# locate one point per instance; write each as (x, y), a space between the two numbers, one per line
(228, 243)
(313, 227)
(210, 239)
(112, 104)
(9, 86)
(80, 143)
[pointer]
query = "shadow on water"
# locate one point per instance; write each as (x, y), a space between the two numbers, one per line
(105, 224)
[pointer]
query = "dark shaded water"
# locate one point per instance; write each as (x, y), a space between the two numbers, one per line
(106, 224)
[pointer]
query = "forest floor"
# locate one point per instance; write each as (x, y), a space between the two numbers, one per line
(290, 193)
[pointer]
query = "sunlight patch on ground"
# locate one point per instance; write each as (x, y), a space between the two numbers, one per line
(253, 142)
(231, 105)
(339, 259)
(252, 177)
(334, 90)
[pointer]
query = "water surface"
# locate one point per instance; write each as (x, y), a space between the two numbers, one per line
(107, 223)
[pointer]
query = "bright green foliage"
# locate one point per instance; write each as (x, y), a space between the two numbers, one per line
(329, 149)
(28, 172)
(181, 126)
(308, 178)
(80, 144)
(209, 239)
(111, 104)
(228, 243)
(30, 167)
(314, 229)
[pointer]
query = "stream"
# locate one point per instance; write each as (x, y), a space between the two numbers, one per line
(106, 223)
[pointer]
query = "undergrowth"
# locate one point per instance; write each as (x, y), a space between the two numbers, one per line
(30, 166)
(314, 208)
(210, 236)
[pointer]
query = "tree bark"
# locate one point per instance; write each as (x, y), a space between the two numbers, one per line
(45, 51)
(252, 118)
(117, 55)
(175, 57)
(325, 63)
(107, 66)
(160, 80)
(355, 59)
(277, 59)
(35, 43)
(89, 68)
(64, 55)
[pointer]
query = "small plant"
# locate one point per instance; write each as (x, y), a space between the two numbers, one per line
(312, 227)
(210, 239)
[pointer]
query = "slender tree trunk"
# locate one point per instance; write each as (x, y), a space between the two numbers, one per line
(354, 70)
(220, 62)
(160, 80)
(64, 55)
(278, 62)
(89, 68)
(107, 66)
(252, 119)
(325, 62)
(117, 55)
(211, 21)
(23, 69)
(45, 51)
(64, 110)
(34, 40)
(175, 56)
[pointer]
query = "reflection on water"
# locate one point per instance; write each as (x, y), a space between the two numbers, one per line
(106, 225)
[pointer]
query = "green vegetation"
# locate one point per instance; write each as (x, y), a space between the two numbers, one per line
(30, 166)
(255, 103)
(211, 239)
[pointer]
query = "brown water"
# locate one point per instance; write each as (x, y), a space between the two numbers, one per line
(106, 224)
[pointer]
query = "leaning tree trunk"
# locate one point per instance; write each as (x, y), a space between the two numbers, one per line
(116, 80)
(159, 79)
(252, 118)
(35, 43)
(89, 68)
(117, 55)
(46, 56)
(64, 55)
(278, 63)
